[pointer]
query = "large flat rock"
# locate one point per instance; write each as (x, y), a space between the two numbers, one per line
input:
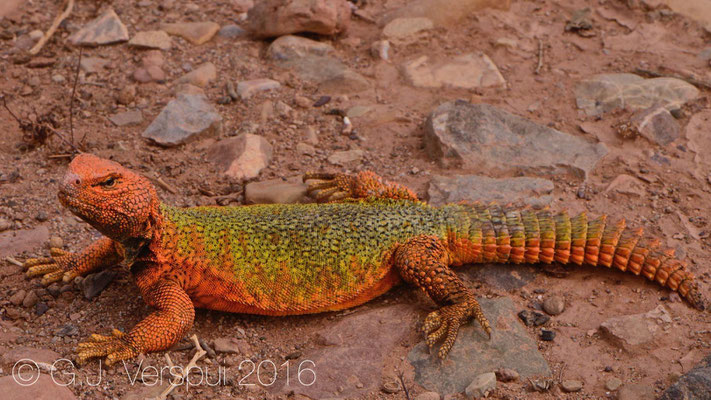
(13, 243)
(606, 92)
(695, 385)
(482, 137)
(474, 354)
(43, 388)
(472, 188)
(349, 363)
(106, 29)
(184, 118)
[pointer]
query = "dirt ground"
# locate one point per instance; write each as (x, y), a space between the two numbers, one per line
(676, 202)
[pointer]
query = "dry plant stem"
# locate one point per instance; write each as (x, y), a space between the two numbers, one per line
(404, 387)
(199, 353)
(53, 28)
(164, 185)
(540, 57)
(60, 136)
(13, 261)
(71, 101)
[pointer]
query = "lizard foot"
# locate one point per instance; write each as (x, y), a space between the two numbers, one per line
(445, 323)
(114, 347)
(52, 269)
(328, 187)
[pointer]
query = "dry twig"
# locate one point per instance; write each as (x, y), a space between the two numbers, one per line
(540, 57)
(71, 101)
(199, 353)
(53, 28)
(13, 261)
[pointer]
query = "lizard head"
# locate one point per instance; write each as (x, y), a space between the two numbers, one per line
(119, 203)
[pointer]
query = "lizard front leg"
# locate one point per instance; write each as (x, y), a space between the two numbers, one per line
(365, 184)
(63, 265)
(423, 261)
(159, 331)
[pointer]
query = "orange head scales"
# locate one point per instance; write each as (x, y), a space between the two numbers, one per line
(119, 203)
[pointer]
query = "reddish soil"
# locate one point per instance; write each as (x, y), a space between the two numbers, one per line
(392, 138)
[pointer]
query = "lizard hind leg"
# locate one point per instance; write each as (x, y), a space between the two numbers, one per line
(423, 261)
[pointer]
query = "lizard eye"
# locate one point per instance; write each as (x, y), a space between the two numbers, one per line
(109, 183)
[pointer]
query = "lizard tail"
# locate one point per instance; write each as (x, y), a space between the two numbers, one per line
(514, 235)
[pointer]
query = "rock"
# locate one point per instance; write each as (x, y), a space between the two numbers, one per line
(16, 242)
(351, 353)
(246, 89)
(36, 34)
(30, 299)
(151, 40)
(554, 305)
(699, 141)
(468, 71)
(547, 335)
(242, 6)
(506, 375)
(570, 386)
(289, 48)
(29, 353)
(533, 318)
(407, 29)
(636, 391)
(231, 31)
(305, 149)
(231, 346)
(271, 18)
(127, 118)
(330, 74)
(93, 284)
(428, 396)
(200, 76)
(17, 298)
(93, 65)
(43, 388)
(633, 332)
(241, 157)
(613, 384)
(481, 386)
(506, 278)
(149, 74)
(445, 12)
(195, 32)
(344, 157)
(58, 78)
(606, 92)
(184, 118)
(474, 353)
(656, 124)
(472, 188)
(41, 308)
(694, 385)
(5, 224)
(275, 191)
(380, 49)
(106, 29)
(126, 95)
(483, 137)
(626, 184)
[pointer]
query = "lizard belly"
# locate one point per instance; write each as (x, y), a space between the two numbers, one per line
(221, 293)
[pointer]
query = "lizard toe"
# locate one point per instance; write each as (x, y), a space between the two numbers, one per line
(432, 322)
(42, 269)
(114, 348)
(52, 277)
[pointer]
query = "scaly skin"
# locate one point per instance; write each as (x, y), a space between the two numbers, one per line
(309, 258)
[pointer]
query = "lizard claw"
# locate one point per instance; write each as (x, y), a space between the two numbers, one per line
(445, 323)
(52, 269)
(328, 187)
(114, 347)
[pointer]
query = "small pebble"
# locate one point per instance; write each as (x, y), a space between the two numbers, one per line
(41, 308)
(554, 305)
(613, 384)
(55, 242)
(571, 386)
(547, 335)
(506, 375)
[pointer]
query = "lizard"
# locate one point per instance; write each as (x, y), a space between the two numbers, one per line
(363, 236)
